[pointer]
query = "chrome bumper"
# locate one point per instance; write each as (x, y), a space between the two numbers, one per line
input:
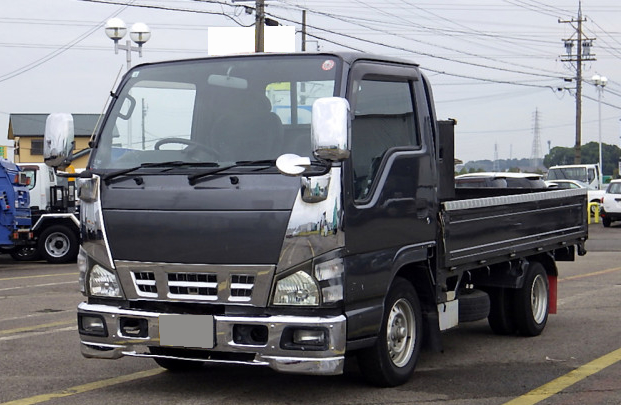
(321, 362)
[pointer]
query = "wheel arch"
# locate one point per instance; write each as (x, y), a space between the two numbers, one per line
(548, 262)
(47, 220)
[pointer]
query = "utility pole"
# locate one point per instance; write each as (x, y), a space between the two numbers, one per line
(259, 28)
(535, 155)
(303, 30)
(583, 53)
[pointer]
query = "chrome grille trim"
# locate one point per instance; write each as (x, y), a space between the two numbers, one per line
(215, 284)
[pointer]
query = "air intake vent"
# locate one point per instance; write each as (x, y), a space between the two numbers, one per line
(145, 283)
(241, 287)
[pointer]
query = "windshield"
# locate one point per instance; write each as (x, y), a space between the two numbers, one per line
(221, 110)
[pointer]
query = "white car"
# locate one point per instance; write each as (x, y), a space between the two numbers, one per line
(500, 180)
(611, 206)
(593, 194)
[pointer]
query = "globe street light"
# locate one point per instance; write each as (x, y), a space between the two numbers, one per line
(140, 33)
(600, 83)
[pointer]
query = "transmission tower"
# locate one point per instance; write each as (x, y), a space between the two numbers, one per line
(583, 53)
(496, 164)
(535, 156)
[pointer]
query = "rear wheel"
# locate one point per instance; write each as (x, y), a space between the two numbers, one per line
(391, 361)
(25, 253)
(500, 317)
(58, 244)
(531, 301)
(606, 222)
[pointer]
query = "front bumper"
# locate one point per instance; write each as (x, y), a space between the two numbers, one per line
(327, 360)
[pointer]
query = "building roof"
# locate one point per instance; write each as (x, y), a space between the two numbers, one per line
(24, 125)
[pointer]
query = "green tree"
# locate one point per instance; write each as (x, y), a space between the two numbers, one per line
(590, 154)
(559, 156)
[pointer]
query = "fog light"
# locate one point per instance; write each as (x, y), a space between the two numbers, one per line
(309, 337)
(92, 325)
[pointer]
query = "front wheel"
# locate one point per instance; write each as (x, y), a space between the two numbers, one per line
(531, 301)
(392, 359)
(58, 244)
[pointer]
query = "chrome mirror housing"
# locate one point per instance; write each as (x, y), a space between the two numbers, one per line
(330, 128)
(58, 139)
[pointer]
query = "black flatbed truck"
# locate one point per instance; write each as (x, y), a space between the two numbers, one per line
(248, 227)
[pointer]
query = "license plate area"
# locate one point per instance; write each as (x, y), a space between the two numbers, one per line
(195, 331)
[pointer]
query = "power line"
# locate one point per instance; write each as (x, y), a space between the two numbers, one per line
(60, 50)
(435, 56)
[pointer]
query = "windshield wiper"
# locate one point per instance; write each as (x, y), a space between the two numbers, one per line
(176, 163)
(194, 178)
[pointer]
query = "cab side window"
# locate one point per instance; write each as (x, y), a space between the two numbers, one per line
(383, 119)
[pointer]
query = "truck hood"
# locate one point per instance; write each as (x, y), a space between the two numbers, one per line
(229, 219)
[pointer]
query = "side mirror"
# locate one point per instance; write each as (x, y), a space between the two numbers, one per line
(58, 139)
(330, 128)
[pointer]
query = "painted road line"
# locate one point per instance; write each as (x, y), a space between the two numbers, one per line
(36, 327)
(33, 334)
(39, 276)
(38, 285)
(555, 386)
(596, 273)
(79, 389)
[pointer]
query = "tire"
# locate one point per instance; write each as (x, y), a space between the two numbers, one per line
(606, 222)
(174, 365)
(392, 359)
(25, 253)
(58, 244)
(474, 305)
(531, 301)
(500, 317)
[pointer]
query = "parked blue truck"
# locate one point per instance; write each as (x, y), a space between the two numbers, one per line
(15, 219)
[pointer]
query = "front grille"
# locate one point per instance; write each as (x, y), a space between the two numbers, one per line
(195, 285)
(248, 285)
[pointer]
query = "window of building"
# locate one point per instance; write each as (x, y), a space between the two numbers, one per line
(36, 147)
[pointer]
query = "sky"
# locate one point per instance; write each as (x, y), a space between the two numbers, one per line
(496, 66)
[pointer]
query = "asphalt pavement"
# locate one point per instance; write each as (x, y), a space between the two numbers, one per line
(576, 361)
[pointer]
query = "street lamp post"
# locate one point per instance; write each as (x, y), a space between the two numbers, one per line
(139, 33)
(600, 83)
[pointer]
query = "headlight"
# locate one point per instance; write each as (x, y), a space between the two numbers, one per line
(297, 289)
(103, 283)
(330, 276)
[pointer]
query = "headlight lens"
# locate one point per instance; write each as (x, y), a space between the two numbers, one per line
(296, 289)
(330, 276)
(103, 283)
